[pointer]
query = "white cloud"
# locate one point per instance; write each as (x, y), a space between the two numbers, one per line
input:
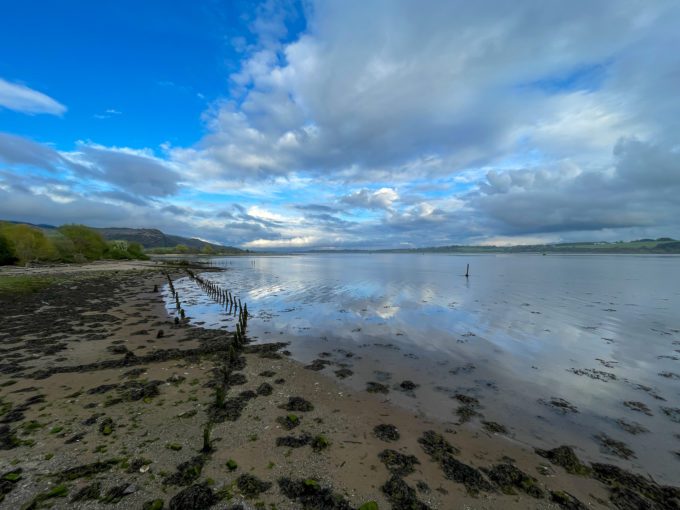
(20, 98)
(367, 199)
(295, 242)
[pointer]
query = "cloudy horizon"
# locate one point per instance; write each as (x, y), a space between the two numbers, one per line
(327, 124)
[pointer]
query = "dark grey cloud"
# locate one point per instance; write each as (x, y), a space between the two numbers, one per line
(640, 191)
(315, 207)
(17, 150)
(124, 197)
(135, 173)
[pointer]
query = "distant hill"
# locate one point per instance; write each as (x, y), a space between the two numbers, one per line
(154, 238)
(663, 245)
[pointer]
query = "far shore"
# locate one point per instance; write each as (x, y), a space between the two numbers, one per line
(110, 400)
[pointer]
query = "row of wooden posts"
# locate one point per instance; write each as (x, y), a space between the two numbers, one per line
(175, 295)
(231, 303)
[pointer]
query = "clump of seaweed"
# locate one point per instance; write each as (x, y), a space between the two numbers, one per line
(196, 497)
(187, 472)
(441, 451)
(398, 463)
(614, 447)
(376, 387)
(510, 479)
(311, 495)
(293, 441)
(386, 432)
(565, 457)
(298, 404)
(251, 486)
(401, 495)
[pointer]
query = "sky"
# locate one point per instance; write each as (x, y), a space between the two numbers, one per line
(344, 123)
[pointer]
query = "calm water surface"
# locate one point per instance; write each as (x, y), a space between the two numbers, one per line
(522, 330)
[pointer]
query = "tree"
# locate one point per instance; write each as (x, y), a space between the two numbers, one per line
(182, 248)
(28, 243)
(86, 242)
(136, 251)
(6, 254)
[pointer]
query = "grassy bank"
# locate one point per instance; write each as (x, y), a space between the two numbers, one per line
(12, 285)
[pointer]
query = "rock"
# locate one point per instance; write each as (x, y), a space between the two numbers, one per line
(196, 497)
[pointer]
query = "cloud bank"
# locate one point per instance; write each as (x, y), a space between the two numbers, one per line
(391, 123)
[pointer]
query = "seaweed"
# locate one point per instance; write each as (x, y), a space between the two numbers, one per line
(386, 432)
(401, 496)
(195, 497)
(311, 495)
(251, 486)
(298, 404)
(565, 457)
(398, 463)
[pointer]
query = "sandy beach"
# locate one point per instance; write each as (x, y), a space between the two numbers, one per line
(107, 402)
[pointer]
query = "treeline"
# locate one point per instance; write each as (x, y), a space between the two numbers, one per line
(23, 244)
(183, 249)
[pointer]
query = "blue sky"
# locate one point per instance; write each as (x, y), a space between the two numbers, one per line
(282, 124)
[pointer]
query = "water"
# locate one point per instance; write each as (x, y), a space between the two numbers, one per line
(594, 330)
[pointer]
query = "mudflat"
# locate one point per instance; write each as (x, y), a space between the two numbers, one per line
(107, 401)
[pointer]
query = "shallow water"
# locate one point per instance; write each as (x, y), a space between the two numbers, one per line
(594, 330)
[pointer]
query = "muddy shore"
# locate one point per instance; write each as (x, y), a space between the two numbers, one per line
(107, 402)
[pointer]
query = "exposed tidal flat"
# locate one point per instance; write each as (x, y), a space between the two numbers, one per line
(389, 379)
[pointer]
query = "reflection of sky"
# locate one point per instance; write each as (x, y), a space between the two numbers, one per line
(523, 321)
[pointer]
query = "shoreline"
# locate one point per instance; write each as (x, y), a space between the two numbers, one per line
(112, 331)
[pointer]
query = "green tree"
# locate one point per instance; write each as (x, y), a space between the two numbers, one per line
(86, 242)
(136, 251)
(28, 244)
(182, 248)
(6, 254)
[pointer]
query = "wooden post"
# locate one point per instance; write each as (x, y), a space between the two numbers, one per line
(467, 271)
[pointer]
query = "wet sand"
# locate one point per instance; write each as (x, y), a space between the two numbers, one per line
(99, 409)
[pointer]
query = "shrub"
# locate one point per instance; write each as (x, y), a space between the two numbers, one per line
(6, 254)
(86, 241)
(28, 243)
